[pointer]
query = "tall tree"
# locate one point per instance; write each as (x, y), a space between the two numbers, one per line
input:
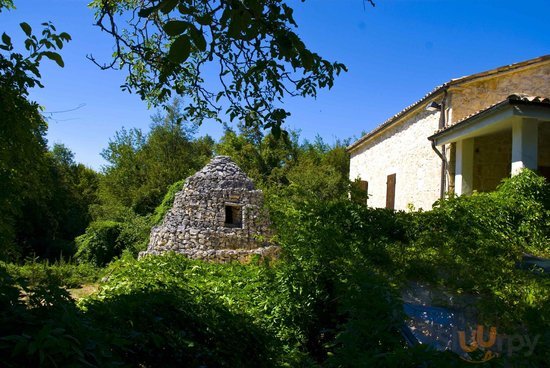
(311, 170)
(141, 167)
(50, 222)
(22, 128)
(264, 158)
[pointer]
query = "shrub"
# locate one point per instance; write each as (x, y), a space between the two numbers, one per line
(349, 257)
(65, 274)
(172, 311)
(99, 245)
(473, 245)
(167, 202)
(105, 240)
(134, 234)
(126, 231)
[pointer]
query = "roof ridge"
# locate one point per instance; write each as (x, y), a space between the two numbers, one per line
(441, 87)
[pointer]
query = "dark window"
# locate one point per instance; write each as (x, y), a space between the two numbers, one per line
(233, 216)
(390, 192)
(545, 171)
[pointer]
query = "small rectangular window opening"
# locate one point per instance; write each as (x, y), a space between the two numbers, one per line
(233, 216)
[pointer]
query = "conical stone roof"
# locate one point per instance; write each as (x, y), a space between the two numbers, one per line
(220, 173)
(218, 215)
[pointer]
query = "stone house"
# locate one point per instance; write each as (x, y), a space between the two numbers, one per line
(218, 215)
(464, 136)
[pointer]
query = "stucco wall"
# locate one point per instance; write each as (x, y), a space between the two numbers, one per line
(492, 160)
(403, 150)
(477, 95)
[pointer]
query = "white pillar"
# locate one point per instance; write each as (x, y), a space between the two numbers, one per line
(464, 168)
(524, 145)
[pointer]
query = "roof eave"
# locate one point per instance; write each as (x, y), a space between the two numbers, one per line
(497, 108)
(452, 83)
(469, 120)
(405, 112)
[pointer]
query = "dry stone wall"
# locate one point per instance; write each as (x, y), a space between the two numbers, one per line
(218, 215)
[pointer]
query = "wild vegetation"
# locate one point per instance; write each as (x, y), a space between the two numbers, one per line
(332, 299)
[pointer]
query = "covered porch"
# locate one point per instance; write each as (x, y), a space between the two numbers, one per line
(495, 143)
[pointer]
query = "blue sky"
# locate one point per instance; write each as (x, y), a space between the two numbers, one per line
(395, 52)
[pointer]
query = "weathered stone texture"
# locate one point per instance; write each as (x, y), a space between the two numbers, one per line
(196, 225)
(404, 150)
(492, 160)
(480, 94)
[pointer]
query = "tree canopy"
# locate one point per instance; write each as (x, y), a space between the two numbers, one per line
(142, 166)
(167, 46)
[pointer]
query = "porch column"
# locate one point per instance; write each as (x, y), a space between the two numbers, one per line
(464, 168)
(524, 145)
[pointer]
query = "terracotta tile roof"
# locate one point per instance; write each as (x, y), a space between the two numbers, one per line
(526, 98)
(441, 88)
(515, 99)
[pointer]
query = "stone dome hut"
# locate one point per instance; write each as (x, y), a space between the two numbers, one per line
(218, 215)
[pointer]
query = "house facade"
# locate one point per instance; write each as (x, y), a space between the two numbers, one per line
(466, 135)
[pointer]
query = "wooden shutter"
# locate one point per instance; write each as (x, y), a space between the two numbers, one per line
(364, 185)
(390, 192)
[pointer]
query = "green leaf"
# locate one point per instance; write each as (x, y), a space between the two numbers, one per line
(180, 49)
(276, 131)
(175, 27)
(65, 36)
(204, 20)
(198, 38)
(26, 28)
(184, 9)
(168, 5)
(145, 12)
(55, 57)
(6, 39)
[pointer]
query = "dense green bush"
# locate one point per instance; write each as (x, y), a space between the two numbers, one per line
(469, 244)
(99, 245)
(334, 253)
(172, 311)
(105, 240)
(473, 245)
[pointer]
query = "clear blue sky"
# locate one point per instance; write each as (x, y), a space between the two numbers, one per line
(395, 52)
